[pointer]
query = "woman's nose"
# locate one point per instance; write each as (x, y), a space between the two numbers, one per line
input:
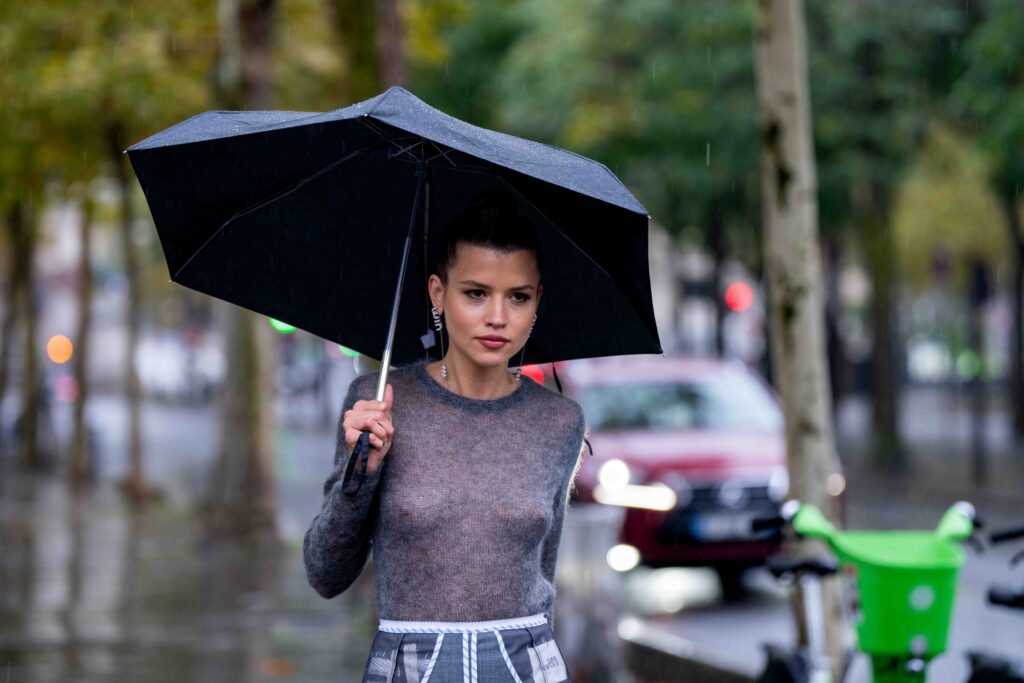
(496, 314)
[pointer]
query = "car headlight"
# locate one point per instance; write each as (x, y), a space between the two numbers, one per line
(778, 485)
(614, 475)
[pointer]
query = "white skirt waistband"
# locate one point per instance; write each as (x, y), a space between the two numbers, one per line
(391, 626)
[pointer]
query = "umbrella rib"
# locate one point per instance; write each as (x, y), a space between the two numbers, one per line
(268, 200)
(405, 150)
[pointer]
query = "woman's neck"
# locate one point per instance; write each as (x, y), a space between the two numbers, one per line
(472, 380)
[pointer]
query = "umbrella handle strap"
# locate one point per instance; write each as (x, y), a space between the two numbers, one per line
(355, 471)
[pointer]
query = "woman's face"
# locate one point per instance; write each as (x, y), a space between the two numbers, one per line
(490, 295)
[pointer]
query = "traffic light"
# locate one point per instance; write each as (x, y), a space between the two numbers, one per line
(739, 296)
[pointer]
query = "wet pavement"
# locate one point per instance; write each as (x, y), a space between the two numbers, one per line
(92, 592)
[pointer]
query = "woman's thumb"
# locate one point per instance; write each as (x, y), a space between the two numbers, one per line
(388, 394)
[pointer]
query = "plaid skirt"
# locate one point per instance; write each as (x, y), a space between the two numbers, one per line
(520, 650)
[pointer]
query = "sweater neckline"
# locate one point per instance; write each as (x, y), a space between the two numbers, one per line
(466, 402)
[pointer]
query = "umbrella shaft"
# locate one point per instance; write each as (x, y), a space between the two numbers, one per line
(385, 361)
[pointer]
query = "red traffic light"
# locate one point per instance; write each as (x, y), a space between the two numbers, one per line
(739, 296)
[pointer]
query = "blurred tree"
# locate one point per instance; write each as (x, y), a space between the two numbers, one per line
(28, 36)
(881, 71)
(668, 104)
(354, 23)
(380, 41)
(989, 100)
(123, 71)
(945, 205)
(79, 456)
(240, 500)
(793, 272)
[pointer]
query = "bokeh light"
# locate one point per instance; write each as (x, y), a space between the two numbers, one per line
(534, 372)
(283, 328)
(59, 349)
(739, 296)
(65, 389)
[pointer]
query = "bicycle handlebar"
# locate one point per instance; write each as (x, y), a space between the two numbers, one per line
(1006, 597)
(1006, 535)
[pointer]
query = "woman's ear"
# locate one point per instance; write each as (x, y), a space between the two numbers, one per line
(435, 288)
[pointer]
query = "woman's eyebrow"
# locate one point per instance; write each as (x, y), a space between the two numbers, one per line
(474, 283)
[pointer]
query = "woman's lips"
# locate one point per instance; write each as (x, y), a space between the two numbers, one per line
(492, 343)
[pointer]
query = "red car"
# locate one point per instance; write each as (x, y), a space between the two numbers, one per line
(693, 448)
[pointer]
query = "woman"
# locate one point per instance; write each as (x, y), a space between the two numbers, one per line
(467, 479)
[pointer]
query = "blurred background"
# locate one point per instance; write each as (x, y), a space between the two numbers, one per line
(158, 466)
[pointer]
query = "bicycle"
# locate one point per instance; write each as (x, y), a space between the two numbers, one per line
(903, 584)
(987, 667)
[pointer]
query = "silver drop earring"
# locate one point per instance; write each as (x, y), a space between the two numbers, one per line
(519, 370)
(438, 326)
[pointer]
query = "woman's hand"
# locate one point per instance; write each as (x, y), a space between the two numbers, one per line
(374, 416)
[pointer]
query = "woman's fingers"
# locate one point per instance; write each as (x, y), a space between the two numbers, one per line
(378, 435)
(352, 436)
(372, 416)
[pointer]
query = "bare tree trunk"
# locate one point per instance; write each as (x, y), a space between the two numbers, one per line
(80, 465)
(27, 443)
(241, 499)
(390, 42)
(793, 268)
(888, 446)
(1016, 383)
(134, 484)
(716, 241)
(15, 277)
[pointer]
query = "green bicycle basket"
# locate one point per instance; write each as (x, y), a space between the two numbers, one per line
(906, 582)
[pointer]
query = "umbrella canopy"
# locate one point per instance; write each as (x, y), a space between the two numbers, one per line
(301, 216)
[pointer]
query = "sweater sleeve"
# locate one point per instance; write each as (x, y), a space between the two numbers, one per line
(337, 544)
(549, 552)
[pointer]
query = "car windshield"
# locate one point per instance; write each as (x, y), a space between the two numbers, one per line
(740, 403)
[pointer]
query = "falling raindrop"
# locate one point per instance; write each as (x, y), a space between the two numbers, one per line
(708, 159)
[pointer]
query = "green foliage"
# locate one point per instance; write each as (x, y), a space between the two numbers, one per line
(946, 206)
(880, 72)
(662, 92)
(989, 96)
(74, 72)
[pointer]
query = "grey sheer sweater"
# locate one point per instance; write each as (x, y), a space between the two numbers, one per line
(464, 515)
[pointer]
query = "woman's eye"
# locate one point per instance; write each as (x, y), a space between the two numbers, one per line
(524, 299)
(472, 293)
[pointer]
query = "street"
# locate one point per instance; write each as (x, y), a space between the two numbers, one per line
(150, 583)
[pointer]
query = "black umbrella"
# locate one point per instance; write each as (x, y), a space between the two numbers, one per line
(310, 218)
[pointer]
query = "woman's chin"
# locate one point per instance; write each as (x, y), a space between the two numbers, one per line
(489, 359)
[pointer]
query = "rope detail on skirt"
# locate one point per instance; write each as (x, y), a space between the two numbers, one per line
(523, 650)
(389, 626)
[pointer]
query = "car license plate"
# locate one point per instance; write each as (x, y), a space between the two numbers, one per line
(719, 526)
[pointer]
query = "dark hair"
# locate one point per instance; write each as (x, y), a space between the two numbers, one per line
(492, 220)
